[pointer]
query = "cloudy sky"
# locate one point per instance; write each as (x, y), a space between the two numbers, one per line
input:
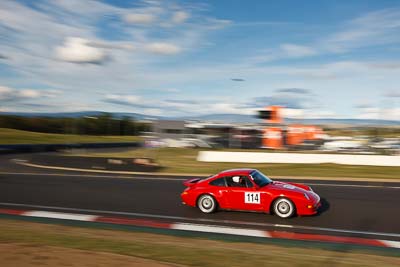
(329, 59)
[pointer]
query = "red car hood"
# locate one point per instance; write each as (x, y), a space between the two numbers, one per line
(292, 187)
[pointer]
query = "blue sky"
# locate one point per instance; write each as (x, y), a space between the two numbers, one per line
(320, 59)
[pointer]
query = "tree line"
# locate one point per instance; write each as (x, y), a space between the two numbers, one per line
(104, 124)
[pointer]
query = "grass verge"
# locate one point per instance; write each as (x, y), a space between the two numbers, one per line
(183, 250)
(12, 136)
(181, 160)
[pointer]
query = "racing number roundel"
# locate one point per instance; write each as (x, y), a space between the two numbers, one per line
(251, 197)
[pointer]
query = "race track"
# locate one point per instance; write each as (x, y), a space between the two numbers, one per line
(351, 208)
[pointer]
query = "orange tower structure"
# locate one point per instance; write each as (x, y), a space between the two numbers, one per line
(276, 134)
(272, 136)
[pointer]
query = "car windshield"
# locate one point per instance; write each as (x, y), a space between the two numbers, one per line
(260, 179)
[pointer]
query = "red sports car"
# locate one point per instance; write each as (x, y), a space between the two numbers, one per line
(250, 190)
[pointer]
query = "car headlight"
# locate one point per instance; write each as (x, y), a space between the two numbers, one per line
(306, 196)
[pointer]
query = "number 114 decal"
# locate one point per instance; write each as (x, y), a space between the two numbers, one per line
(251, 197)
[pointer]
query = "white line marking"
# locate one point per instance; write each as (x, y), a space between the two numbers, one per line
(177, 179)
(392, 244)
(219, 229)
(179, 226)
(195, 175)
(61, 215)
(19, 160)
(203, 220)
(89, 170)
(283, 225)
(93, 176)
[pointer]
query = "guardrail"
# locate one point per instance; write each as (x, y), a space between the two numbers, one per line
(265, 157)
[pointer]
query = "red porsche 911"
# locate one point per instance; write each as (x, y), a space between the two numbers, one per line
(250, 190)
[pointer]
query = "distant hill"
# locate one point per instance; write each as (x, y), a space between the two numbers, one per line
(228, 118)
(55, 115)
(233, 118)
(79, 114)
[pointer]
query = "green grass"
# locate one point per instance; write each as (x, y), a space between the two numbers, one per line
(185, 250)
(12, 136)
(181, 160)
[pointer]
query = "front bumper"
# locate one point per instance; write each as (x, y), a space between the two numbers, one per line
(310, 209)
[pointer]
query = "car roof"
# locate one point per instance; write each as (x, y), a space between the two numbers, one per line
(237, 171)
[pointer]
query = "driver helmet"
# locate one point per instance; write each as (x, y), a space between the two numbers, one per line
(236, 179)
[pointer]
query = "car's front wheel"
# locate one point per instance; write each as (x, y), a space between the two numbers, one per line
(207, 204)
(284, 208)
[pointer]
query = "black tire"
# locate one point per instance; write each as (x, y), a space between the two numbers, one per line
(284, 208)
(207, 203)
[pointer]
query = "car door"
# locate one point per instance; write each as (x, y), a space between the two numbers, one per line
(218, 188)
(244, 195)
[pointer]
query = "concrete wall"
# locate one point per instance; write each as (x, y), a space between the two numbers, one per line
(264, 157)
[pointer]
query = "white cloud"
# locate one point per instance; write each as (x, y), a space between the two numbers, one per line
(168, 107)
(373, 28)
(79, 50)
(293, 113)
(390, 65)
(154, 112)
(172, 90)
(138, 101)
(8, 94)
(51, 93)
(180, 17)
(28, 93)
(393, 94)
(139, 18)
(291, 98)
(132, 71)
(284, 51)
(370, 113)
(123, 99)
(391, 114)
(380, 27)
(321, 114)
(163, 48)
(112, 45)
(32, 47)
(374, 113)
(308, 113)
(230, 108)
(292, 50)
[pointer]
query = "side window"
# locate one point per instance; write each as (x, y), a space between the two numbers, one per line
(238, 181)
(230, 182)
(248, 182)
(218, 182)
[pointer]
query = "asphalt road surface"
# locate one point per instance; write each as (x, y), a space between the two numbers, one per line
(351, 208)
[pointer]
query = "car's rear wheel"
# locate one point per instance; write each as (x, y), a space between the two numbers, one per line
(207, 204)
(284, 208)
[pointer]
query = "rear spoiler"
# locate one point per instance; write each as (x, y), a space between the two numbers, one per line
(191, 182)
